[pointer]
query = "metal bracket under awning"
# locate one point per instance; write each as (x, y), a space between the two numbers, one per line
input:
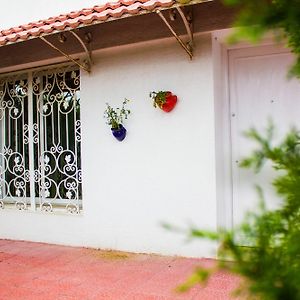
(188, 46)
(87, 63)
(86, 66)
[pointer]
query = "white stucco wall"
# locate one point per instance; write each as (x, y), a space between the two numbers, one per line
(164, 171)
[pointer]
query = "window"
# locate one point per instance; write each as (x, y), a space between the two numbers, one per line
(40, 157)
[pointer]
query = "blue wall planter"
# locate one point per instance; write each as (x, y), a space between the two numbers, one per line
(119, 133)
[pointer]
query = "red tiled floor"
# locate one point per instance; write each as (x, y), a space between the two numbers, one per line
(36, 271)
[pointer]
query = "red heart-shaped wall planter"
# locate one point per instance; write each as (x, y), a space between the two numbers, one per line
(170, 103)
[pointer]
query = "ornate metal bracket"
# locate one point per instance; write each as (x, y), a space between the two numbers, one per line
(86, 50)
(88, 62)
(188, 46)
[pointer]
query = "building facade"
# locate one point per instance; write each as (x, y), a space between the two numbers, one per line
(66, 180)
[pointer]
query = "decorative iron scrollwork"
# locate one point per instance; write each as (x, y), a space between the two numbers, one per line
(42, 140)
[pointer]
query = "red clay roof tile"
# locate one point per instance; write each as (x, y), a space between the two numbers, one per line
(86, 16)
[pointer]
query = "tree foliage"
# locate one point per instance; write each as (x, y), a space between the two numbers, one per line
(270, 264)
(257, 17)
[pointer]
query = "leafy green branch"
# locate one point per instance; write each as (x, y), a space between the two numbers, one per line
(282, 17)
(270, 263)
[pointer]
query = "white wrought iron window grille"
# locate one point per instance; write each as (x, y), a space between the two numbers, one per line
(40, 152)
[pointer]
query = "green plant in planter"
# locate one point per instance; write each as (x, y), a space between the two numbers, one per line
(159, 98)
(115, 118)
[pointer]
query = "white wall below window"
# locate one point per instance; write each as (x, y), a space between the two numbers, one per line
(164, 171)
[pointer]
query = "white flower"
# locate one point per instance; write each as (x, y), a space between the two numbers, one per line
(46, 193)
(18, 192)
(68, 158)
(66, 104)
(69, 194)
(46, 159)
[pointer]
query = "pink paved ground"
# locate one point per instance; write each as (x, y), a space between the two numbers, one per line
(30, 271)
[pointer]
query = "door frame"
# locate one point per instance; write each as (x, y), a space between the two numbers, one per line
(223, 115)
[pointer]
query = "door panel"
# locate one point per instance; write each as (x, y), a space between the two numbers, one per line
(259, 91)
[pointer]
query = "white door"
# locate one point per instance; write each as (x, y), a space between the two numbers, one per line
(258, 90)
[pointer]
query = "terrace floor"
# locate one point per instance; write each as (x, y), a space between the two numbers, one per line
(30, 271)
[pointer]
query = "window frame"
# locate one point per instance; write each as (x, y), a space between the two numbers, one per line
(33, 202)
